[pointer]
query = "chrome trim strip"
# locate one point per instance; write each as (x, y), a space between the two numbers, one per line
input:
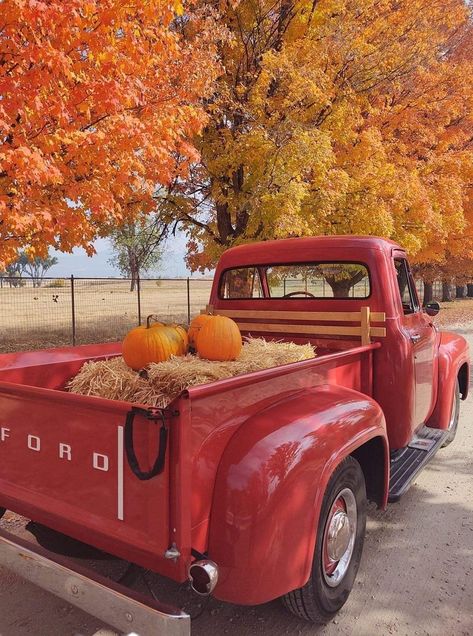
(120, 473)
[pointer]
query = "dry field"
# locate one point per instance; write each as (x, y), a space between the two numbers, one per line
(104, 309)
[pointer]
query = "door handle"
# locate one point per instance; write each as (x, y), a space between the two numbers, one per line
(415, 337)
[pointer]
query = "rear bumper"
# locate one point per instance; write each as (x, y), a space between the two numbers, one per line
(108, 601)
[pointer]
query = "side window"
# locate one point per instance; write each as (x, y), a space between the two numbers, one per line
(406, 286)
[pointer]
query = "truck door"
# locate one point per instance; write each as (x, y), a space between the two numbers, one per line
(421, 337)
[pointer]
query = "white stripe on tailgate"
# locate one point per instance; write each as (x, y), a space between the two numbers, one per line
(120, 473)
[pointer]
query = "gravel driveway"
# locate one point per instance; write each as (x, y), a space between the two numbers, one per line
(416, 576)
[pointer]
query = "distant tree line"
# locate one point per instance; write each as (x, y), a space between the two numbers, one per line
(35, 268)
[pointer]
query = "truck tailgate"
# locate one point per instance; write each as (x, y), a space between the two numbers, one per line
(63, 463)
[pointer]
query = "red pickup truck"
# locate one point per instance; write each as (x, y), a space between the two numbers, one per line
(255, 487)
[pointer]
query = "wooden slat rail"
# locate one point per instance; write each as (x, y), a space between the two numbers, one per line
(338, 316)
(364, 317)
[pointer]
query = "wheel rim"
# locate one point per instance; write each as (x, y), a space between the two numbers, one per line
(339, 537)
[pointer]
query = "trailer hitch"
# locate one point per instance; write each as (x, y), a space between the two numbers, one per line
(153, 415)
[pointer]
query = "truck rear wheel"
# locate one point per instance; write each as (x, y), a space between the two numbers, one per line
(339, 544)
(454, 417)
(2, 512)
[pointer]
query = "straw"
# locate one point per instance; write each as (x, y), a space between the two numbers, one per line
(162, 382)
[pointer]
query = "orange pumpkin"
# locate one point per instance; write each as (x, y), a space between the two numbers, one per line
(175, 337)
(194, 328)
(176, 331)
(219, 339)
(184, 338)
(149, 343)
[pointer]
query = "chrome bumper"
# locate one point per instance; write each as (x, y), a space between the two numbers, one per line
(114, 604)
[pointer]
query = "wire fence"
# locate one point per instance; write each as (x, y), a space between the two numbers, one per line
(72, 310)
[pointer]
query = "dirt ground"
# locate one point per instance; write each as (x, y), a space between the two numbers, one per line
(416, 575)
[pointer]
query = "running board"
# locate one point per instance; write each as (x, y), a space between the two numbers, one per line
(407, 464)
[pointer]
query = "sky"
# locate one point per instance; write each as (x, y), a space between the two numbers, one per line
(79, 264)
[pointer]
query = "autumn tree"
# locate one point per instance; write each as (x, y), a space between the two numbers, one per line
(137, 246)
(13, 272)
(37, 267)
(97, 99)
(448, 255)
(332, 117)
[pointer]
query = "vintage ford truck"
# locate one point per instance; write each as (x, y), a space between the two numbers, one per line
(255, 487)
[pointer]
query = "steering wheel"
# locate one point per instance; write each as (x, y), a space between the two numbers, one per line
(295, 293)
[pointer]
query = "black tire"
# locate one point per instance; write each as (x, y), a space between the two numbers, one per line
(317, 601)
(454, 416)
(2, 512)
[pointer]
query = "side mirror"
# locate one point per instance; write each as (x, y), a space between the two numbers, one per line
(432, 309)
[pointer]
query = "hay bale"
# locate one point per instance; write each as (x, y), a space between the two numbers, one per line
(164, 381)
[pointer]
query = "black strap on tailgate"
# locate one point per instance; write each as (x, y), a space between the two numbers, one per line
(154, 415)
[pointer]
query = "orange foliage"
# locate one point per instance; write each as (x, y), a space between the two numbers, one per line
(448, 253)
(98, 99)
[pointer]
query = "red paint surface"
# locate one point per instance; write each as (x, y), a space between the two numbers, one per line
(453, 355)
(248, 458)
(270, 486)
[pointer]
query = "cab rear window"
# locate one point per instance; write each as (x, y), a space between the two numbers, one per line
(289, 281)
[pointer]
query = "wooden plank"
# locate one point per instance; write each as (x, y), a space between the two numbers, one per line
(332, 330)
(335, 316)
(365, 326)
(339, 316)
(312, 330)
(379, 332)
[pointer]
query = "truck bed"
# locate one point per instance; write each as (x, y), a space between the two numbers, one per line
(63, 459)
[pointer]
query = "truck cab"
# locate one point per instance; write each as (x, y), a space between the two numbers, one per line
(344, 274)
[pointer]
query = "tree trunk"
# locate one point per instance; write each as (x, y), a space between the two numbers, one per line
(446, 291)
(460, 291)
(134, 273)
(134, 270)
(341, 288)
(134, 279)
(469, 290)
(428, 293)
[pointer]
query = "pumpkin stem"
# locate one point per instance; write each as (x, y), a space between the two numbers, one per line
(149, 318)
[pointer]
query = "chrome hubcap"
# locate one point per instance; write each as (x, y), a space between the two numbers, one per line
(339, 537)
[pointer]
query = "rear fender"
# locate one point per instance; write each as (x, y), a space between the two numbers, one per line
(453, 364)
(270, 485)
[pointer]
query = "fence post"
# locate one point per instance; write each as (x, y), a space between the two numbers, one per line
(138, 289)
(188, 301)
(283, 286)
(73, 308)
